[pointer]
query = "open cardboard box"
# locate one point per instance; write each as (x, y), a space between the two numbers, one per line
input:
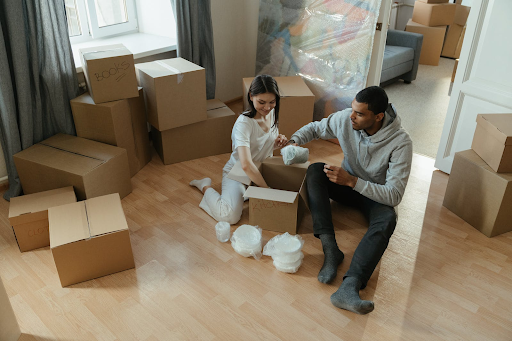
(90, 239)
(28, 215)
(281, 207)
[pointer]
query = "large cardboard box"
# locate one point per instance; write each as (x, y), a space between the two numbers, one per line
(461, 15)
(90, 239)
(28, 215)
(453, 41)
(119, 123)
(480, 196)
(433, 14)
(9, 329)
(109, 72)
(433, 38)
(91, 167)
(194, 141)
(281, 207)
(297, 103)
(175, 92)
(493, 141)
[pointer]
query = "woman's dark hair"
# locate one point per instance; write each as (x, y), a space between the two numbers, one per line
(260, 85)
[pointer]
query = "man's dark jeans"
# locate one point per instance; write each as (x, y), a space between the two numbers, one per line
(381, 218)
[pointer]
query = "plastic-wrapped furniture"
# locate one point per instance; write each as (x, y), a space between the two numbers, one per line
(401, 56)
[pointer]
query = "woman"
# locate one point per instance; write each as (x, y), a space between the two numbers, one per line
(254, 137)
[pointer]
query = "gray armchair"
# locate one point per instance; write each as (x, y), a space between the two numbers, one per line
(401, 56)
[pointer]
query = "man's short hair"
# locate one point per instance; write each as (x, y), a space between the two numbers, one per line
(375, 97)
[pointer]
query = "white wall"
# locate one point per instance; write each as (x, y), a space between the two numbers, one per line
(235, 30)
(156, 17)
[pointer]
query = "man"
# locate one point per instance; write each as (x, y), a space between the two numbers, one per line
(373, 175)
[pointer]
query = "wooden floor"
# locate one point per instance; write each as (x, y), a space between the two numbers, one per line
(439, 279)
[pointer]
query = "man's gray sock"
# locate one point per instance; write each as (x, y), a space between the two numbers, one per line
(332, 258)
(347, 297)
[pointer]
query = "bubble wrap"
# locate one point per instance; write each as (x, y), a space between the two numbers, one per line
(294, 154)
(326, 42)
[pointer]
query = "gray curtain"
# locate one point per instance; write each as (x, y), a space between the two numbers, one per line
(37, 77)
(195, 37)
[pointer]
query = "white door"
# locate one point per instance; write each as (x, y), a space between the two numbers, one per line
(483, 83)
(379, 43)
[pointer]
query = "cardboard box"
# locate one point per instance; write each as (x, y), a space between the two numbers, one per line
(90, 239)
(175, 92)
(109, 72)
(434, 1)
(28, 215)
(433, 14)
(194, 141)
(493, 141)
(480, 196)
(461, 15)
(433, 38)
(453, 41)
(455, 69)
(281, 207)
(119, 123)
(91, 167)
(9, 329)
(297, 103)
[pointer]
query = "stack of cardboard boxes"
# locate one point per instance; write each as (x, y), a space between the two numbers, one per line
(480, 185)
(431, 18)
(184, 125)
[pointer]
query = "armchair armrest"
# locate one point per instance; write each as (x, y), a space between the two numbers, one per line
(407, 39)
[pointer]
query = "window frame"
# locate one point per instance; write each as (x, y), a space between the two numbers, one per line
(89, 22)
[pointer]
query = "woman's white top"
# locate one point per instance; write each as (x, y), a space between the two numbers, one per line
(248, 133)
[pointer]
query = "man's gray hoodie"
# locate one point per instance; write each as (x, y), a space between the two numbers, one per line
(381, 162)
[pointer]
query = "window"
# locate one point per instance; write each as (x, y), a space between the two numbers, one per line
(91, 19)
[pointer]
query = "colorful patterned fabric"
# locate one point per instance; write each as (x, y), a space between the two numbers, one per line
(326, 42)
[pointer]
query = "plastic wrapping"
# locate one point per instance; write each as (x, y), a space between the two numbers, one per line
(326, 42)
(294, 154)
(223, 231)
(285, 250)
(246, 241)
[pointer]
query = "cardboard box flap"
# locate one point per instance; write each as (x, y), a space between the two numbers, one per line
(499, 125)
(238, 174)
(292, 86)
(168, 67)
(213, 104)
(270, 194)
(219, 112)
(105, 214)
(83, 147)
(68, 224)
(22, 209)
(105, 51)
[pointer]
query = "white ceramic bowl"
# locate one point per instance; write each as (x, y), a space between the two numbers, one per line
(288, 257)
(247, 237)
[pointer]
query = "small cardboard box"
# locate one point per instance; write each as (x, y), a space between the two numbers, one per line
(28, 215)
(453, 41)
(91, 167)
(194, 141)
(433, 38)
(175, 92)
(281, 207)
(109, 72)
(119, 123)
(297, 103)
(480, 196)
(433, 14)
(9, 329)
(461, 14)
(90, 239)
(493, 141)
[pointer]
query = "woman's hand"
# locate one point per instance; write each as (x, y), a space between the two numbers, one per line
(280, 141)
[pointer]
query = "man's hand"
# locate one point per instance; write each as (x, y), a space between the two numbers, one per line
(340, 176)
